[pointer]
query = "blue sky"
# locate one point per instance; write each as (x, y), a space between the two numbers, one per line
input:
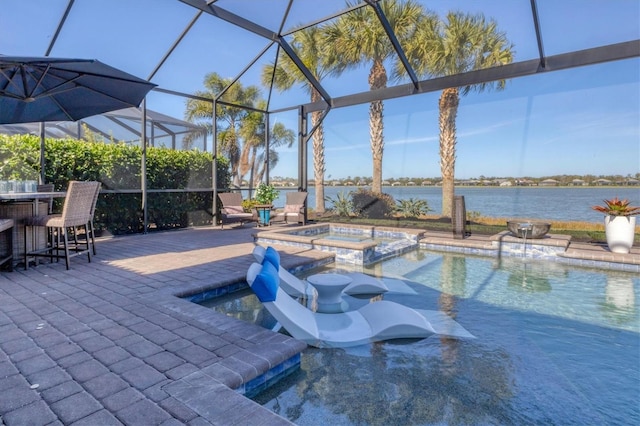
(577, 121)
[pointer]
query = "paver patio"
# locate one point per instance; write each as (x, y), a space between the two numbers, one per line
(108, 342)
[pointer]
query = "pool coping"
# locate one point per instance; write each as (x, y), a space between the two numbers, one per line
(554, 247)
(350, 252)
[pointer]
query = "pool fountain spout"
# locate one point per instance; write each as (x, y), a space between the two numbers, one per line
(524, 228)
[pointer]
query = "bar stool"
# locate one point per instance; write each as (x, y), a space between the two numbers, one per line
(6, 228)
(76, 212)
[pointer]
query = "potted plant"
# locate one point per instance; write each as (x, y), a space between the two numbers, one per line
(265, 195)
(619, 224)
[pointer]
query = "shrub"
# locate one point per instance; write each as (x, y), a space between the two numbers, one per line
(266, 194)
(341, 205)
(371, 205)
(247, 205)
(412, 207)
(19, 157)
(473, 215)
(118, 167)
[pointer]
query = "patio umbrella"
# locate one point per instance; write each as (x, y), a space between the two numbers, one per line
(38, 89)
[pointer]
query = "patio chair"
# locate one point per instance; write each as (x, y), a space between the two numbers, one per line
(373, 322)
(76, 213)
(293, 208)
(232, 210)
(6, 228)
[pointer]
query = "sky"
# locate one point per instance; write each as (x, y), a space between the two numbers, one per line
(580, 121)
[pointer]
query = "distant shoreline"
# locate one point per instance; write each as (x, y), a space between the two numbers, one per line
(287, 188)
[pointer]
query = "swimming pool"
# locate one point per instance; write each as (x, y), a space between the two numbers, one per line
(555, 344)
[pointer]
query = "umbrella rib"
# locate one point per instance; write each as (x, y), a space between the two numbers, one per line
(105, 94)
(10, 81)
(23, 78)
(64, 111)
(51, 90)
(8, 78)
(39, 82)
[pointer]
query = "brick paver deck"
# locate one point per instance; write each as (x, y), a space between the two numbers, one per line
(108, 342)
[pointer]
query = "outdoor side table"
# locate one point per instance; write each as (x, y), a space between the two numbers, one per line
(264, 214)
(20, 205)
(329, 287)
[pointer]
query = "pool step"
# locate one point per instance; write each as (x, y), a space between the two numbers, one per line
(393, 248)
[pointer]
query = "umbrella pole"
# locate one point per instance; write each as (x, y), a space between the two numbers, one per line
(143, 182)
(42, 152)
(214, 164)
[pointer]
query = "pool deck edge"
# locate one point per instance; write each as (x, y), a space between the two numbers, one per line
(560, 246)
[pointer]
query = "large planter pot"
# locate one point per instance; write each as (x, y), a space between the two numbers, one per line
(619, 231)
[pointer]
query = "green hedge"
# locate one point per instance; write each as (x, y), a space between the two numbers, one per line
(118, 167)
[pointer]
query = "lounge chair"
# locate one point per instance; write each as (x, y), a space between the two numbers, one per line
(291, 284)
(293, 208)
(232, 210)
(294, 286)
(373, 322)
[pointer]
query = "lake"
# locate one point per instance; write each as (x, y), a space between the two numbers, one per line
(545, 203)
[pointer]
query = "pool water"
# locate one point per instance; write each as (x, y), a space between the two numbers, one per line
(344, 237)
(554, 345)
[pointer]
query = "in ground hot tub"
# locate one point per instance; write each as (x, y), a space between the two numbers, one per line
(356, 244)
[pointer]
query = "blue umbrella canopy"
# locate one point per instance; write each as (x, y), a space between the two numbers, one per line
(34, 89)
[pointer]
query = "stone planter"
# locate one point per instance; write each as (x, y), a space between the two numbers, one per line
(619, 231)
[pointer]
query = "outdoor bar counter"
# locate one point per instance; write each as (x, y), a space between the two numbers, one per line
(18, 206)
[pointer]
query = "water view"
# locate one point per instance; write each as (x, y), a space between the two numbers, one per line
(554, 344)
(552, 203)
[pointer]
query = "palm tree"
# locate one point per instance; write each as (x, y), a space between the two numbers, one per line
(358, 37)
(252, 157)
(462, 43)
(230, 119)
(307, 44)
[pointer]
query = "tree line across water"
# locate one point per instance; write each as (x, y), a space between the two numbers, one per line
(555, 180)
